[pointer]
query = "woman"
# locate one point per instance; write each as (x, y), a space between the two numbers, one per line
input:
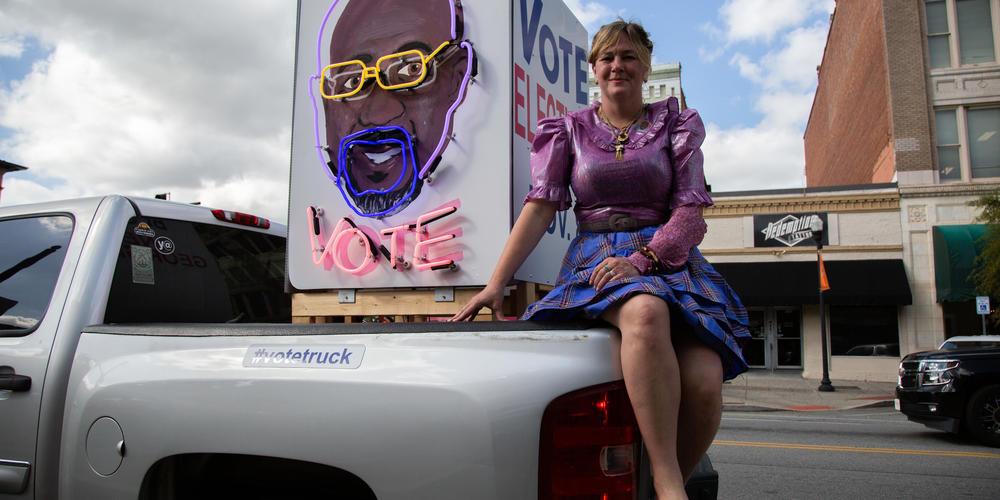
(636, 171)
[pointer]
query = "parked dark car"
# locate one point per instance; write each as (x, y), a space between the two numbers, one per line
(955, 390)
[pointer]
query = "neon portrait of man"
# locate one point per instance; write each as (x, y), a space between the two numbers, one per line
(395, 74)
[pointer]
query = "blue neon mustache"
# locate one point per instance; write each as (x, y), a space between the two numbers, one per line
(378, 136)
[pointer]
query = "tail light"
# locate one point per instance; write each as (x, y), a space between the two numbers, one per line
(241, 218)
(590, 446)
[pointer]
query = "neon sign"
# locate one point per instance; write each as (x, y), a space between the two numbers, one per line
(336, 252)
(379, 202)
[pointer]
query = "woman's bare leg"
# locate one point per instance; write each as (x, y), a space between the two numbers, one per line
(652, 379)
(701, 398)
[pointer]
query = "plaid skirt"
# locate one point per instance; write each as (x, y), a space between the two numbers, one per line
(696, 293)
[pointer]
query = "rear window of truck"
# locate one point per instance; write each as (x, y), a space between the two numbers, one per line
(173, 271)
(31, 256)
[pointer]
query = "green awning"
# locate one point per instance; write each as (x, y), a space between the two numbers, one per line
(955, 251)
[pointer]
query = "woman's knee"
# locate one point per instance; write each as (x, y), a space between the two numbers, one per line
(645, 318)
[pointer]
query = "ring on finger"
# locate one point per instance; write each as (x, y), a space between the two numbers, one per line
(608, 269)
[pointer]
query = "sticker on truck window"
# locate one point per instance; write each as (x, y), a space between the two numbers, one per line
(164, 245)
(143, 229)
(343, 356)
(142, 265)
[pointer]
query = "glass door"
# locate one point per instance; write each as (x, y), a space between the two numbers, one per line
(776, 338)
(788, 337)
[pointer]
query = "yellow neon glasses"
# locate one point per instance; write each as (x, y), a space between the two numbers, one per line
(395, 71)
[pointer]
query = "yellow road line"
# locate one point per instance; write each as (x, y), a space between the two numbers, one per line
(856, 449)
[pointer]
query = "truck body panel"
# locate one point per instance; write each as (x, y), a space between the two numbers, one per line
(457, 411)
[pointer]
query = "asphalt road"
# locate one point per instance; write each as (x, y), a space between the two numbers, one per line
(851, 454)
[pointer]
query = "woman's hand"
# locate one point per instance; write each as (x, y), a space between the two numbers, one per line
(488, 297)
(611, 268)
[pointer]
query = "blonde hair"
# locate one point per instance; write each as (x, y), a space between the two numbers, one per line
(609, 34)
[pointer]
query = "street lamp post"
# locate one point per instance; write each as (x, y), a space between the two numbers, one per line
(816, 226)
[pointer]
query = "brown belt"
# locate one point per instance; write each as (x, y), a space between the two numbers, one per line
(618, 222)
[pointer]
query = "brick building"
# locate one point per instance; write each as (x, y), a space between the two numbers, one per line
(909, 92)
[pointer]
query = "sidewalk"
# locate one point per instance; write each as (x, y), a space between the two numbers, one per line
(763, 391)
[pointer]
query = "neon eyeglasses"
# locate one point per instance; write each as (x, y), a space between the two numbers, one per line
(395, 71)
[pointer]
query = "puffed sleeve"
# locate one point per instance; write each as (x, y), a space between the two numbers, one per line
(686, 136)
(551, 160)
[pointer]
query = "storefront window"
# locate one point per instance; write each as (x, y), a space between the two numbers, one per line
(864, 331)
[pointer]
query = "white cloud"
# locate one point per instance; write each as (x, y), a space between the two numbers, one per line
(769, 154)
(591, 14)
(188, 97)
(763, 157)
(784, 109)
(792, 65)
(755, 20)
(11, 46)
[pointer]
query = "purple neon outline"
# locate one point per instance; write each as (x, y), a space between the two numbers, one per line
(448, 115)
(451, 110)
(312, 97)
(452, 4)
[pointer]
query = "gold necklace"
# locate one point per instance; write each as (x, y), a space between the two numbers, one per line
(620, 134)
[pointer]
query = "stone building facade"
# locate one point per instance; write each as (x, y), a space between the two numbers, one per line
(909, 91)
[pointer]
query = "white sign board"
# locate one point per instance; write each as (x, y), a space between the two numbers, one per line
(982, 305)
(550, 79)
(402, 165)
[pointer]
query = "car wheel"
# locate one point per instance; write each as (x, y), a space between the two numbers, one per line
(982, 415)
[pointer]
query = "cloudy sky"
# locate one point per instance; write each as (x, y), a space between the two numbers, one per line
(194, 97)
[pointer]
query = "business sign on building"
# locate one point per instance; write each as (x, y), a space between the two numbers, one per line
(787, 230)
(409, 121)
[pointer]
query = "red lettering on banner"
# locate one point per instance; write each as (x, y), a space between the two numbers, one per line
(519, 101)
(527, 115)
(546, 104)
(539, 102)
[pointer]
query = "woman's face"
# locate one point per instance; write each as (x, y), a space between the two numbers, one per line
(619, 71)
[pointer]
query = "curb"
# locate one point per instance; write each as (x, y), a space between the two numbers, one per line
(758, 407)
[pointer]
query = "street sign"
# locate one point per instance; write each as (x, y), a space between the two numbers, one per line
(982, 305)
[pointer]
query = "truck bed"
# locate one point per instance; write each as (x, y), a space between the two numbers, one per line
(456, 405)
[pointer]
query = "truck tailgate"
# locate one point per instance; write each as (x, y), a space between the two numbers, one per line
(418, 410)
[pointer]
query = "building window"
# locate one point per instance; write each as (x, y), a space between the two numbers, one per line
(938, 35)
(975, 31)
(973, 22)
(949, 163)
(984, 142)
(864, 331)
(968, 143)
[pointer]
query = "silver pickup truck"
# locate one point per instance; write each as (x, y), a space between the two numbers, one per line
(145, 353)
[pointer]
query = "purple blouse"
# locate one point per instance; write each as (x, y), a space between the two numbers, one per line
(577, 151)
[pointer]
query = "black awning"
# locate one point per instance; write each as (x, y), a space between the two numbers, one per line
(852, 282)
